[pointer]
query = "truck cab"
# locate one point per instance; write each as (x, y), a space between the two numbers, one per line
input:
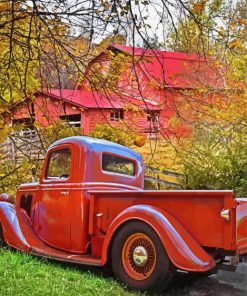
(90, 207)
(58, 205)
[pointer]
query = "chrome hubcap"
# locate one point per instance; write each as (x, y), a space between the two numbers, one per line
(140, 256)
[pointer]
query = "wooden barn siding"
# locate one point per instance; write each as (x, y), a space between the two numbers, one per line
(137, 121)
(134, 120)
(99, 116)
(47, 111)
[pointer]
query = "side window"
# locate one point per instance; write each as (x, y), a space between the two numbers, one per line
(59, 164)
(116, 164)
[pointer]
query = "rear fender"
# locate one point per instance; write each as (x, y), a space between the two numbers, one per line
(184, 252)
(11, 229)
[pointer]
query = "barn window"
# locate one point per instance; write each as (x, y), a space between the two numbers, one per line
(72, 120)
(117, 114)
(153, 116)
(26, 122)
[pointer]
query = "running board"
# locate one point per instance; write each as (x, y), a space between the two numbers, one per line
(68, 257)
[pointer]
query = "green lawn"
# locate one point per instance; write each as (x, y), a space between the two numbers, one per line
(23, 275)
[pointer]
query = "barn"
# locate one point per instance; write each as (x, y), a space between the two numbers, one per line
(179, 83)
(141, 88)
(85, 109)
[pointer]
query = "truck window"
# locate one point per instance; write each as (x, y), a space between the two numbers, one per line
(59, 164)
(116, 164)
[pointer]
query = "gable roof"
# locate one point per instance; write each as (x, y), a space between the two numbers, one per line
(173, 69)
(93, 100)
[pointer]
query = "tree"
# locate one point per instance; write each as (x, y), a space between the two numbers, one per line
(18, 170)
(42, 41)
(121, 135)
(217, 159)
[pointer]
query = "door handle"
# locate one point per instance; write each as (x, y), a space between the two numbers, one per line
(65, 193)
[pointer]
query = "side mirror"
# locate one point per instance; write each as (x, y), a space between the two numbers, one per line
(33, 171)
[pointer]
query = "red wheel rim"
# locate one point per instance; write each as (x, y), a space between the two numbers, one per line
(139, 256)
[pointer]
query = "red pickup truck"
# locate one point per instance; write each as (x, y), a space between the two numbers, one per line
(89, 207)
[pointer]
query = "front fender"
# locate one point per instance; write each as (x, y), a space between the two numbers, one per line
(184, 252)
(6, 197)
(11, 229)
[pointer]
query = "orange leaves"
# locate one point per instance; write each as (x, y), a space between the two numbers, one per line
(198, 7)
(242, 22)
(140, 140)
(4, 6)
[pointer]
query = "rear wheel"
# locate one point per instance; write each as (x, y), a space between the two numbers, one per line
(138, 257)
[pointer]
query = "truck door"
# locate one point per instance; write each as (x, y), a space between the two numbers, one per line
(52, 221)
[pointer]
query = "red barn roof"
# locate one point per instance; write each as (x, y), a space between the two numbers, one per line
(90, 99)
(174, 69)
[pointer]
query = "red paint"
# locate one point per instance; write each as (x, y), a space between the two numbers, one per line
(93, 108)
(76, 218)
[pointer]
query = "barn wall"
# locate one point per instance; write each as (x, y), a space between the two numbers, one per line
(46, 110)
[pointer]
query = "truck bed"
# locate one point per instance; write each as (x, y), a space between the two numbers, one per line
(199, 212)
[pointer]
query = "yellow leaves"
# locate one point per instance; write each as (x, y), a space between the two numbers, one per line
(210, 52)
(174, 122)
(236, 44)
(222, 31)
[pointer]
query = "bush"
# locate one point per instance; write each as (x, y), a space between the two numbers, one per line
(217, 159)
(121, 136)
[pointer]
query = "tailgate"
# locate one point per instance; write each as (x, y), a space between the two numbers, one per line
(241, 225)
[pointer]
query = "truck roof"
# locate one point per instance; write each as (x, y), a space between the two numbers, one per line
(97, 145)
(89, 161)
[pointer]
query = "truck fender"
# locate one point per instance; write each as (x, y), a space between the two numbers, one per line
(6, 197)
(182, 249)
(11, 229)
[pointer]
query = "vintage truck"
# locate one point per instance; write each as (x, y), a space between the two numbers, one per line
(89, 207)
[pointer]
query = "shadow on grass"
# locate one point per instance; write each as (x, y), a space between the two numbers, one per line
(179, 284)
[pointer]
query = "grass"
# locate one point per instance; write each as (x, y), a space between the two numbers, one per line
(22, 275)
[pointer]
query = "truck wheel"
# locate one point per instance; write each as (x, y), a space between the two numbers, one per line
(138, 257)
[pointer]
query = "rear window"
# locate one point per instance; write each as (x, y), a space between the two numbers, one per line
(59, 164)
(116, 164)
